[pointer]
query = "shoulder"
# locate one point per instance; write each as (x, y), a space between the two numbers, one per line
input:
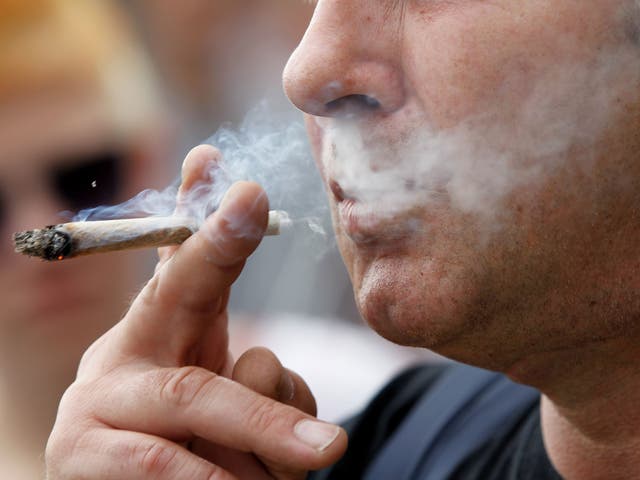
(369, 430)
(452, 418)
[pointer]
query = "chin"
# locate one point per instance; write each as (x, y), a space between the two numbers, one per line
(433, 323)
(410, 304)
(433, 287)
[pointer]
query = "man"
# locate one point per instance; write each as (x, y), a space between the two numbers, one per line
(480, 158)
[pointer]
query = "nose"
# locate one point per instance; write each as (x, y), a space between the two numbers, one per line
(348, 61)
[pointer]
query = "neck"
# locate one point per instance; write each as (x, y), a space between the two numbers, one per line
(590, 414)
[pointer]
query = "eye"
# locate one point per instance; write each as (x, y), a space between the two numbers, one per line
(89, 180)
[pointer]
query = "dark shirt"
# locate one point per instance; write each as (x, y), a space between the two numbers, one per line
(516, 453)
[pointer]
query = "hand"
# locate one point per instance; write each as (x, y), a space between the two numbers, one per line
(158, 396)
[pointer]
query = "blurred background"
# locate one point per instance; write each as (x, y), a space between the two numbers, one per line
(100, 99)
(82, 122)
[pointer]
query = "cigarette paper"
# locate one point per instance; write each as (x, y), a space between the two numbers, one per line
(69, 240)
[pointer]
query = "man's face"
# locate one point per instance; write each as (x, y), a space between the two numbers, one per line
(480, 163)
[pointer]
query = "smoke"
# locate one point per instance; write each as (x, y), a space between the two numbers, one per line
(471, 167)
(269, 148)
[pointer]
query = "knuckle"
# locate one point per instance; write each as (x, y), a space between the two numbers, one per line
(55, 452)
(181, 387)
(148, 296)
(90, 353)
(74, 403)
(69, 396)
(262, 415)
(156, 294)
(64, 444)
(93, 354)
(153, 458)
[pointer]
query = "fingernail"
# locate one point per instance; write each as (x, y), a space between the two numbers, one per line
(317, 435)
(236, 220)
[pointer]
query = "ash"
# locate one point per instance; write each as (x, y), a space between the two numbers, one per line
(48, 243)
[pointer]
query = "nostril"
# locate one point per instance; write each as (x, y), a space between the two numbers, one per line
(351, 103)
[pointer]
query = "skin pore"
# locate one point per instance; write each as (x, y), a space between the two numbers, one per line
(541, 284)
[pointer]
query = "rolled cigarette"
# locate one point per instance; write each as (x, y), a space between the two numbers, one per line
(68, 240)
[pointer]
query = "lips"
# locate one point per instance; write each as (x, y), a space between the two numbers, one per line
(337, 191)
(368, 223)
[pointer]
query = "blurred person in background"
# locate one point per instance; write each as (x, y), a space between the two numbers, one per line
(80, 126)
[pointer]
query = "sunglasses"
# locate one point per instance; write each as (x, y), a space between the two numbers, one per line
(80, 182)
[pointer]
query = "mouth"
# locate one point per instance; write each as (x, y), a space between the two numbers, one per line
(339, 194)
(368, 223)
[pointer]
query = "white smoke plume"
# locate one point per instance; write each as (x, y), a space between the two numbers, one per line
(269, 148)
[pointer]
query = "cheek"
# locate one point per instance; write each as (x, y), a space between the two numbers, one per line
(458, 81)
(487, 57)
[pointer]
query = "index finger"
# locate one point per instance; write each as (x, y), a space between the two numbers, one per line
(186, 294)
(196, 168)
